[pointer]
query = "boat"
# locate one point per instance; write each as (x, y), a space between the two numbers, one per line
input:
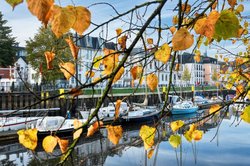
(184, 107)
(199, 100)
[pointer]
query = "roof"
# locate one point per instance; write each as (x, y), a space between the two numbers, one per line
(189, 58)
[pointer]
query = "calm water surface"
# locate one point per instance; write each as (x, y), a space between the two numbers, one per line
(225, 144)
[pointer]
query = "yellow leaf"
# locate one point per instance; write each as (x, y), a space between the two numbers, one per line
(197, 135)
(110, 60)
(122, 41)
(62, 19)
(136, 72)
(96, 79)
(240, 8)
(176, 125)
(49, 143)
(172, 29)
(90, 74)
(245, 116)
(28, 138)
(41, 9)
(147, 134)
(14, 3)
(163, 53)
(214, 108)
(94, 127)
(114, 133)
(78, 132)
(239, 89)
(118, 74)
(175, 140)
(150, 153)
(50, 56)
(175, 20)
(197, 56)
(63, 144)
(188, 135)
(117, 108)
(152, 81)
(82, 19)
(182, 40)
(118, 31)
(68, 69)
(186, 8)
(73, 48)
(97, 61)
(150, 41)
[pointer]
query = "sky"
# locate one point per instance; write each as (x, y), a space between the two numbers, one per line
(25, 25)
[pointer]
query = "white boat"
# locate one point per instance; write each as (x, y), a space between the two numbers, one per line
(184, 107)
(17, 123)
(200, 100)
(55, 123)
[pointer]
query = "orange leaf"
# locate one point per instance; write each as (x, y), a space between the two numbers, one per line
(239, 89)
(214, 108)
(150, 153)
(49, 143)
(214, 5)
(175, 20)
(90, 74)
(49, 58)
(152, 81)
(117, 108)
(94, 127)
(163, 53)
(114, 133)
(150, 41)
(82, 19)
(110, 61)
(136, 72)
(232, 3)
(62, 19)
(63, 144)
(186, 8)
(197, 135)
(75, 92)
(177, 67)
(68, 69)
(197, 56)
(14, 3)
(172, 29)
(122, 41)
(118, 74)
(78, 132)
(118, 31)
(73, 48)
(41, 9)
(28, 138)
(182, 40)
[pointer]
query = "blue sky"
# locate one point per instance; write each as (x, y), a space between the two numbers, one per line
(25, 25)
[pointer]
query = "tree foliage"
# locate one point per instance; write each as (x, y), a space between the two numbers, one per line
(186, 76)
(7, 44)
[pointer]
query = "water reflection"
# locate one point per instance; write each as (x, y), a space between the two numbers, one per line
(218, 147)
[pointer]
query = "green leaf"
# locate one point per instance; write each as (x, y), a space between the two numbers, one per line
(226, 26)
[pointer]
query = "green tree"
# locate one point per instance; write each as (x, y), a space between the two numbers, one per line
(44, 41)
(7, 44)
(214, 75)
(186, 74)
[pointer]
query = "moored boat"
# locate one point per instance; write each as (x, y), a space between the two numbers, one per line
(184, 107)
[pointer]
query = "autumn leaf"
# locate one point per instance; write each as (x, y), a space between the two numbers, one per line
(49, 143)
(150, 41)
(136, 72)
(172, 29)
(90, 74)
(214, 108)
(176, 125)
(97, 61)
(174, 140)
(118, 31)
(177, 67)
(239, 89)
(214, 4)
(28, 138)
(240, 8)
(50, 56)
(152, 81)
(110, 60)
(122, 41)
(197, 135)
(117, 108)
(41, 9)
(245, 116)
(150, 153)
(82, 19)
(197, 56)
(94, 127)
(232, 3)
(188, 134)
(78, 132)
(147, 134)
(114, 133)
(163, 53)
(75, 92)
(182, 40)
(227, 25)
(186, 8)
(73, 48)
(68, 69)
(63, 144)
(14, 3)
(175, 20)
(118, 74)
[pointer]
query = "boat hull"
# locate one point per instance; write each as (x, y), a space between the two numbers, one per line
(176, 111)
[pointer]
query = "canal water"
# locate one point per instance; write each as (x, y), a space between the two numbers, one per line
(225, 143)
